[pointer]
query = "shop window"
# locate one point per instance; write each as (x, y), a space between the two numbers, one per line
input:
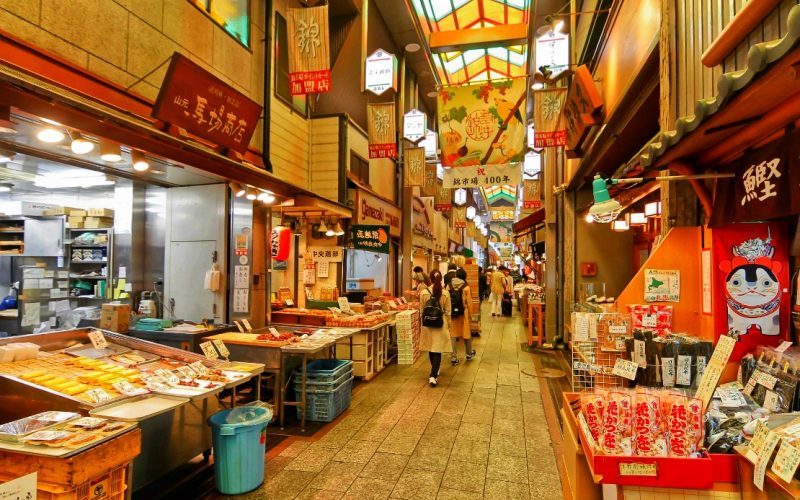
(232, 15)
(359, 167)
(282, 87)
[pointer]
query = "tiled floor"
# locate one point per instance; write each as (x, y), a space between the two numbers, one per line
(480, 434)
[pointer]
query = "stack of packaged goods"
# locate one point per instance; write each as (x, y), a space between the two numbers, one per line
(408, 332)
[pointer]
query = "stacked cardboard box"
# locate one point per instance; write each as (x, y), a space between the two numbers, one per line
(473, 280)
(93, 218)
(408, 332)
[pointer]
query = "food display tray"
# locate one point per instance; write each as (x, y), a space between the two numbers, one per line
(138, 408)
(89, 351)
(46, 451)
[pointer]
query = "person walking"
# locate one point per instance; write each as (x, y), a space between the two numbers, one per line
(498, 288)
(460, 313)
(435, 315)
(419, 279)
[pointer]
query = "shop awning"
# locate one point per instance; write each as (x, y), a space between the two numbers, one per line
(47, 86)
(529, 222)
(304, 206)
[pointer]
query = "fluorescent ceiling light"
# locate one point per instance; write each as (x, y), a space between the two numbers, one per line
(72, 180)
(50, 135)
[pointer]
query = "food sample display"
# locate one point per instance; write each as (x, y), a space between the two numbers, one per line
(359, 320)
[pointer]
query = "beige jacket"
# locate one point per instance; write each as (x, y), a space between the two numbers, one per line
(435, 339)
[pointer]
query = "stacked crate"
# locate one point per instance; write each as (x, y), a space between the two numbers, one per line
(473, 280)
(408, 332)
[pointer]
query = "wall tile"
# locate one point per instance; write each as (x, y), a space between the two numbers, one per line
(110, 72)
(98, 26)
(27, 9)
(41, 38)
(147, 48)
(189, 28)
(151, 11)
(232, 60)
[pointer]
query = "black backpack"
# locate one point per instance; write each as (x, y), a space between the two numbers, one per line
(456, 301)
(432, 313)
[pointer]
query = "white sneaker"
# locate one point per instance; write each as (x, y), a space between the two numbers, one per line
(433, 381)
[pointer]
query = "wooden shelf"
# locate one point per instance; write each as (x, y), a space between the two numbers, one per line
(11, 243)
(87, 246)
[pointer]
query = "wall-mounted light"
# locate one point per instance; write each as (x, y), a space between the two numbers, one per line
(251, 194)
(79, 144)
(605, 208)
(50, 135)
(140, 163)
(237, 189)
(652, 209)
(589, 218)
(330, 232)
(266, 197)
(323, 228)
(338, 231)
(110, 151)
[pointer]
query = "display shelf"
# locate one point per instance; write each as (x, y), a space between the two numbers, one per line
(87, 246)
(89, 261)
(88, 277)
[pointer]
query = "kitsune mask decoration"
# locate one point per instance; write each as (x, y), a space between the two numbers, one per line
(752, 289)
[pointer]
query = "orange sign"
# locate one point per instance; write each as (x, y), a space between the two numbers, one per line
(583, 109)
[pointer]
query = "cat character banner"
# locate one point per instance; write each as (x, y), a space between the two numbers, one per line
(751, 285)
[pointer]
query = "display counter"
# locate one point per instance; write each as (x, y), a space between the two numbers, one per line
(133, 380)
(184, 340)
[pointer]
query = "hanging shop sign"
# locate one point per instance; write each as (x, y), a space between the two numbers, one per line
(422, 216)
(430, 143)
(531, 194)
(280, 243)
(549, 131)
(582, 111)
(415, 125)
(552, 50)
(662, 285)
(444, 199)
(325, 254)
(380, 72)
(532, 166)
(193, 99)
(504, 250)
(382, 140)
(431, 183)
(370, 237)
(751, 271)
(460, 217)
(414, 166)
(482, 175)
(765, 187)
(371, 209)
(309, 50)
(482, 124)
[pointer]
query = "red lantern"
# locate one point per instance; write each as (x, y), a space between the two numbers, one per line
(281, 242)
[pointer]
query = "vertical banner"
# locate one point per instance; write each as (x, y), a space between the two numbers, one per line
(549, 131)
(444, 199)
(309, 50)
(751, 284)
(483, 124)
(531, 194)
(382, 137)
(414, 166)
(459, 217)
(431, 182)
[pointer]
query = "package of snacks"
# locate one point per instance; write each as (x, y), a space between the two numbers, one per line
(615, 438)
(592, 406)
(649, 439)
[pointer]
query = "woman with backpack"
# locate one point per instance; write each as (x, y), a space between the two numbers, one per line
(435, 318)
(460, 327)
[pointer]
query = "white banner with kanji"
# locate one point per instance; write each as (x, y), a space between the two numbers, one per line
(482, 175)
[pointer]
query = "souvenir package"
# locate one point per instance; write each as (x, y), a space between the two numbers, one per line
(592, 406)
(612, 331)
(676, 360)
(728, 413)
(649, 438)
(615, 438)
(656, 318)
(772, 385)
(684, 418)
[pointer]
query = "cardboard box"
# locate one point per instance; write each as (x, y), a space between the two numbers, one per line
(77, 213)
(75, 225)
(98, 222)
(72, 219)
(115, 317)
(100, 212)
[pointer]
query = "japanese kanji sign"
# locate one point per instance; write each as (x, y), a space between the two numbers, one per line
(193, 99)
(382, 136)
(309, 51)
(765, 187)
(380, 72)
(482, 124)
(531, 194)
(443, 201)
(415, 125)
(414, 166)
(430, 184)
(662, 285)
(482, 175)
(549, 132)
(371, 238)
(372, 209)
(459, 217)
(325, 254)
(583, 109)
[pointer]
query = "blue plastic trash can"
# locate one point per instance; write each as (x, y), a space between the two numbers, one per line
(239, 450)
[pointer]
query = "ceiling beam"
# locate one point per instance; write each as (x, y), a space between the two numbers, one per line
(504, 35)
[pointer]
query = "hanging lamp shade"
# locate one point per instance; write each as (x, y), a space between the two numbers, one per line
(280, 243)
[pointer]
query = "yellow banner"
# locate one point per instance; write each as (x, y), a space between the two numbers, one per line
(309, 50)
(414, 166)
(382, 135)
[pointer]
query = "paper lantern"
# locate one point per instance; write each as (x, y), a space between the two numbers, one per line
(281, 242)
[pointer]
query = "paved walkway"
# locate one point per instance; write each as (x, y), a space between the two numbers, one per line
(480, 434)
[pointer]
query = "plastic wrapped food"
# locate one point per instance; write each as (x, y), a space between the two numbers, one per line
(648, 433)
(592, 406)
(616, 437)
(684, 424)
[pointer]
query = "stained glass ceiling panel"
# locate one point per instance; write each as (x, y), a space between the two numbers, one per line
(500, 195)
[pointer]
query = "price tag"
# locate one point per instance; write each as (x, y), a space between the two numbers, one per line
(98, 395)
(757, 442)
(765, 379)
(403, 300)
(199, 368)
(155, 382)
(247, 325)
(208, 350)
(701, 366)
(21, 488)
(186, 372)
(393, 304)
(771, 401)
(587, 433)
(684, 371)
(344, 304)
(618, 329)
(625, 369)
(638, 469)
(730, 397)
(128, 389)
(639, 353)
(668, 372)
(713, 371)
(98, 339)
(751, 384)
(786, 461)
(289, 302)
(168, 377)
(619, 344)
(649, 320)
(764, 454)
(222, 348)
(238, 326)
(588, 367)
(784, 345)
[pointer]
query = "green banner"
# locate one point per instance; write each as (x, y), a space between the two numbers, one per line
(371, 238)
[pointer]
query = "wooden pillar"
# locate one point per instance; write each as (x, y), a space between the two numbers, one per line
(570, 244)
(550, 179)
